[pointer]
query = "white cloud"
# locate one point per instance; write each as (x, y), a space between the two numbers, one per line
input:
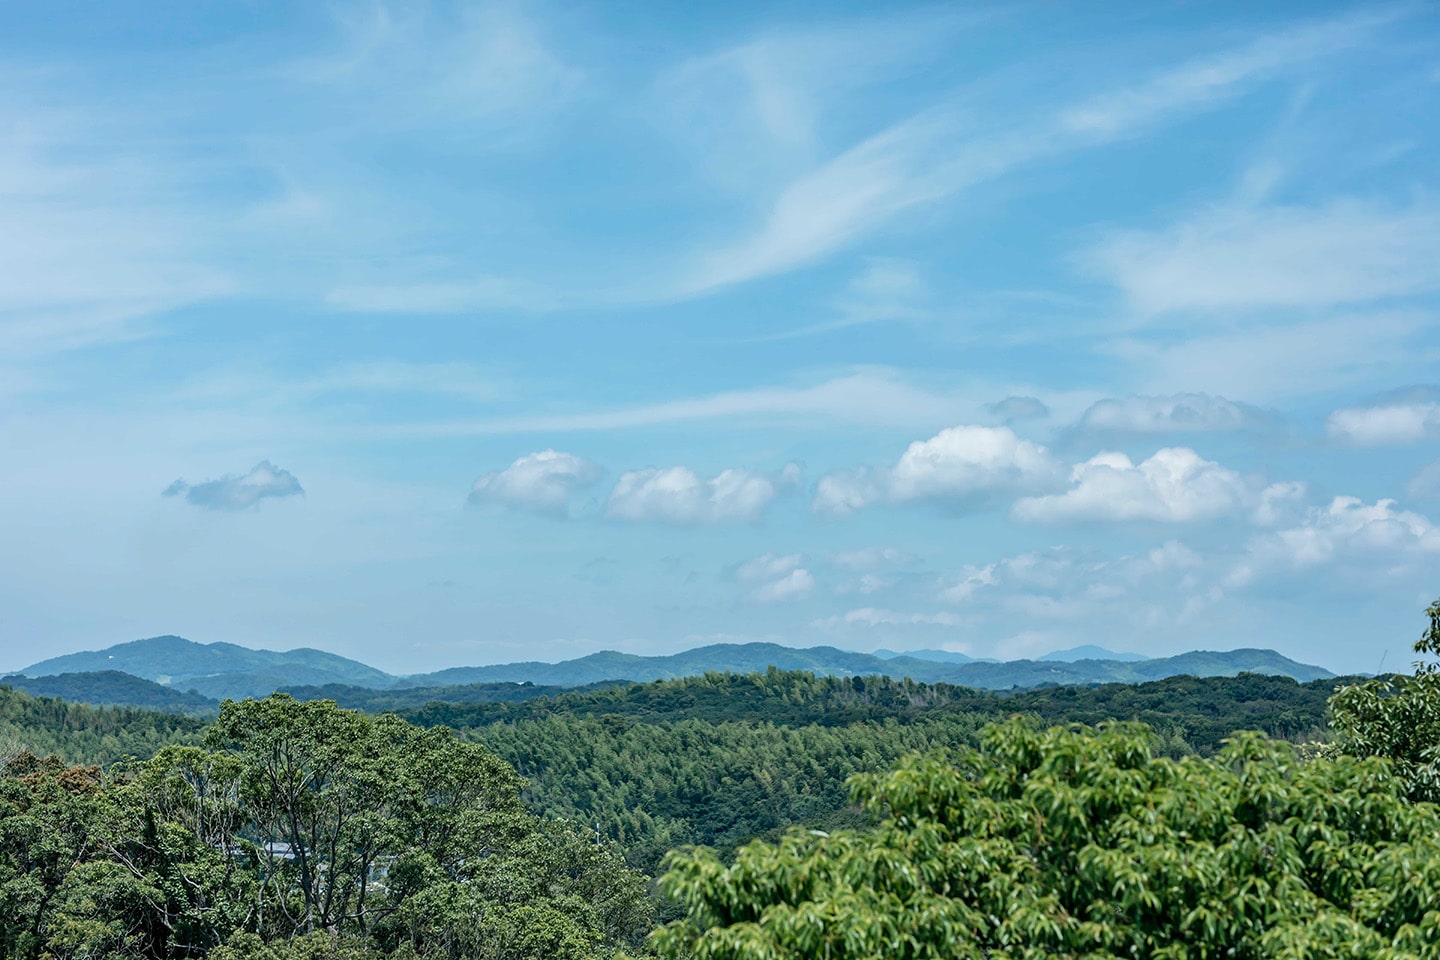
(95, 242)
(1347, 528)
(872, 558)
(970, 582)
(935, 154)
(879, 617)
(1269, 363)
(1061, 583)
(795, 585)
(1241, 257)
(540, 482)
(768, 566)
(404, 64)
(1280, 503)
(965, 463)
(1206, 80)
(780, 577)
(1191, 412)
(1425, 485)
(265, 481)
(1383, 424)
(874, 397)
(752, 112)
(841, 494)
(1175, 485)
(677, 495)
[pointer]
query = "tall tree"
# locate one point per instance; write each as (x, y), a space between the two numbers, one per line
(1072, 842)
(1398, 717)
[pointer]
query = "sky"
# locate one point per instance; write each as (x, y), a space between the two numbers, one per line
(436, 334)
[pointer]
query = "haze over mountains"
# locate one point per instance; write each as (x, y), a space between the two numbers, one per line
(219, 670)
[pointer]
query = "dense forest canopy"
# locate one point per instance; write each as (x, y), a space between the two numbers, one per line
(297, 820)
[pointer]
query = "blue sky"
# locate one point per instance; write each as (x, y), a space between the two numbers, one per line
(437, 334)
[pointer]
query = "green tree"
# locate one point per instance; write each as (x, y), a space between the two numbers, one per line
(1398, 717)
(1073, 842)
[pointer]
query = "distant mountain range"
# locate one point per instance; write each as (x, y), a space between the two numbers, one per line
(1090, 652)
(216, 669)
(175, 667)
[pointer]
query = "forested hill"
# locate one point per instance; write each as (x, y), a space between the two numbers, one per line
(215, 669)
(1207, 709)
(111, 687)
(722, 758)
(220, 670)
(86, 734)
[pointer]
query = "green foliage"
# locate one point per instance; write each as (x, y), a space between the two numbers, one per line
(310, 830)
(1202, 710)
(413, 698)
(86, 734)
(1073, 842)
(113, 688)
(1398, 717)
(722, 758)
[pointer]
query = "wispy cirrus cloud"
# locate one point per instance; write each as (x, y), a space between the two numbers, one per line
(401, 64)
(870, 396)
(1242, 257)
(936, 153)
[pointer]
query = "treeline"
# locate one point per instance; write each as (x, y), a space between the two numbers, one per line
(84, 734)
(113, 687)
(722, 758)
(1202, 710)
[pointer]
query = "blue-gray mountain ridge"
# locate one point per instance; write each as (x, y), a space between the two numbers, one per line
(218, 670)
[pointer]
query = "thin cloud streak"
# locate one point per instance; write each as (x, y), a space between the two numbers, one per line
(934, 154)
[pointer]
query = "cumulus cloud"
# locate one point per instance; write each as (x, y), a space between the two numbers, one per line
(1280, 503)
(677, 495)
(1388, 423)
(1175, 485)
(971, 581)
(779, 577)
(1065, 584)
(962, 464)
(1015, 409)
(793, 586)
(768, 566)
(1348, 527)
(540, 482)
(264, 481)
(1191, 412)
